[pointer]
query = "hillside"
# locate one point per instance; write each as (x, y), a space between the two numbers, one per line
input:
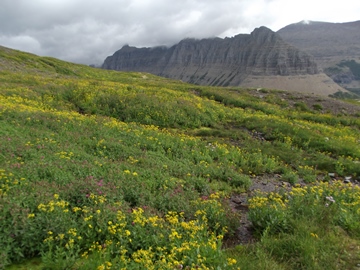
(259, 59)
(335, 47)
(130, 170)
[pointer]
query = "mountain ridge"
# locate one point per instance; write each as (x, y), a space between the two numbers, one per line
(217, 61)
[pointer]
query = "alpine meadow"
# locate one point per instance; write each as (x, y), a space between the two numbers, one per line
(121, 170)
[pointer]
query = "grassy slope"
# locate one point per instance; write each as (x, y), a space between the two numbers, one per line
(144, 141)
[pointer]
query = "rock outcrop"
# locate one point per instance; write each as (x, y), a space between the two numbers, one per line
(216, 61)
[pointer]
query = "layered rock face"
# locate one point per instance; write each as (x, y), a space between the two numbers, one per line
(217, 61)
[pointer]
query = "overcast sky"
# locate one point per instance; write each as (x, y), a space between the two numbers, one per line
(86, 31)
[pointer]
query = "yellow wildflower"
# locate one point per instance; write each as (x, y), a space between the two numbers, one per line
(231, 261)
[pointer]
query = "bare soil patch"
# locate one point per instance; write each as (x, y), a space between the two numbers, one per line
(239, 202)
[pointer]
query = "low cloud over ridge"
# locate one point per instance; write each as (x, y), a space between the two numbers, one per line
(86, 31)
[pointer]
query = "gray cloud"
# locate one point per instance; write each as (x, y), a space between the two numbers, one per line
(86, 31)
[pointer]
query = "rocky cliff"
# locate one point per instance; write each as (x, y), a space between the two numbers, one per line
(217, 61)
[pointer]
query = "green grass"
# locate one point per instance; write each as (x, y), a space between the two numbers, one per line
(131, 170)
(353, 66)
(313, 227)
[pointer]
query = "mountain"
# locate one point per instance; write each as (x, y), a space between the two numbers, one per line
(335, 46)
(325, 41)
(260, 53)
(259, 59)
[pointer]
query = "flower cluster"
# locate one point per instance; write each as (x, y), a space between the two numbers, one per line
(276, 210)
(178, 242)
(8, 181)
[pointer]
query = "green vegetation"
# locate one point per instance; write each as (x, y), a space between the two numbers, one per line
(118, 170)
(349, 96)
(309, 227)
(353, 66)
(332, 70)
(346, 66)
(355, 93)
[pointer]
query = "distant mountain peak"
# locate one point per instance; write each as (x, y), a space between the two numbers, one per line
(324, 39)
(305, 22)
(217, 61)
(262, 29)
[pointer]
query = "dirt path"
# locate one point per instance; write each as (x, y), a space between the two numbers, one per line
(239, 202)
